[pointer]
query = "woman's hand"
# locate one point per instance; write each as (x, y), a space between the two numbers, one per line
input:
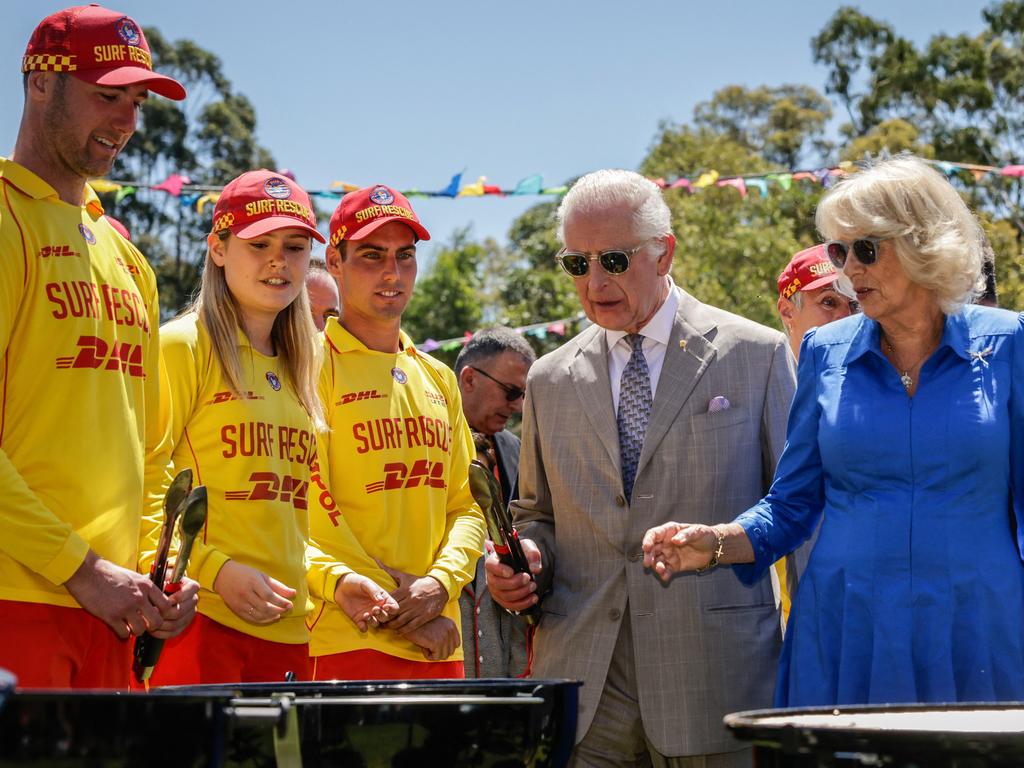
(364, 601)
(438, 638)
(251, 594)
(674, 547)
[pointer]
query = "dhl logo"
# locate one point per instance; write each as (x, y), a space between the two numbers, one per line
(224, 397)
(48, 251)
(366, 394)
(429, 474)
(268, 486)
(96, 354)
(131, 269)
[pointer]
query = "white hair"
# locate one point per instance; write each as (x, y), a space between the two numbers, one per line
(606, 188)
(938, 240)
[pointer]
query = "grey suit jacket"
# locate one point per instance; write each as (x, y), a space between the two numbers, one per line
(704, 645)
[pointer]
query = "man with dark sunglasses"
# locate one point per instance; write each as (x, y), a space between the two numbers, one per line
(663, 404)
(492, 370)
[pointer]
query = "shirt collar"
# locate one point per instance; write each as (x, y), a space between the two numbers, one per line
(659, 327)
(33, 186)
(340, 340)
(868, 338)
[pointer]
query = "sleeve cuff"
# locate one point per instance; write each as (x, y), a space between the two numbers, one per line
(212, 563)
(67, 561)
(756, 530)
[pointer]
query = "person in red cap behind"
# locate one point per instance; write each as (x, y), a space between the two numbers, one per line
(240, 407)
(78, 366)
(810, 295)
(397, 453)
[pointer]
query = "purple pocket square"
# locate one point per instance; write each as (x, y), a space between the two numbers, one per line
(718, 403)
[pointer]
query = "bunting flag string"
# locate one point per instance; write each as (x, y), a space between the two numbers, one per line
(188, 194)
(537, 330)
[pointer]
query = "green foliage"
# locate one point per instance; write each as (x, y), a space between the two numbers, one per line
(780, 124)
(956, 98)
(446, 300)
(209, 137)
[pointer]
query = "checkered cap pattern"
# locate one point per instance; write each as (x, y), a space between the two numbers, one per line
(635, 403)
(48, 62)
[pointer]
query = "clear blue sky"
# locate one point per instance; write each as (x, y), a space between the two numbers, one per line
(408, 93)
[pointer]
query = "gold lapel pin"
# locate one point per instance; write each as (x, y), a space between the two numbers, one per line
(682, 343)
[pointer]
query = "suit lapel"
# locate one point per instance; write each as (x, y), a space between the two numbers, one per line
(688, 355)
(589, 372)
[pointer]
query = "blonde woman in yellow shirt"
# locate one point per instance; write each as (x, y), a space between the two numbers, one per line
(239, 406)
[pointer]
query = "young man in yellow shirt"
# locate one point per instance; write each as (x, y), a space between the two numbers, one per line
(397, 455)
(78, 366)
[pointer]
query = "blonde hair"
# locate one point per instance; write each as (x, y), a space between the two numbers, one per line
(937, 239)
(293, 335)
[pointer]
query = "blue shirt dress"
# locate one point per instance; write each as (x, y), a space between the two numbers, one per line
(914, 591)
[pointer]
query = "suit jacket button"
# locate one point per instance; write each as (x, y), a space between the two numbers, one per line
(614, 614)
(620, 500)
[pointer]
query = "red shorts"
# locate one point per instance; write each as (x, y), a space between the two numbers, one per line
(209, 652)
(53, 646)
(366, 664)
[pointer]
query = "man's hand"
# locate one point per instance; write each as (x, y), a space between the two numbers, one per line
(251, 594)
(438, 638)
(364, 601)
(420, 599)
(128, 602)
(181, 612)
(673, 547)
(514, 591)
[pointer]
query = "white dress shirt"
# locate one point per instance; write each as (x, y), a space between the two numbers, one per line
(656, 335)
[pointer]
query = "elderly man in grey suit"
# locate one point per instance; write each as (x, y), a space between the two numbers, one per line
(664, 405)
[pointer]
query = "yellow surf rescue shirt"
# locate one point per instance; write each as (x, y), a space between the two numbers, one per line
(397, 456)
(78, 374)
(253, 453)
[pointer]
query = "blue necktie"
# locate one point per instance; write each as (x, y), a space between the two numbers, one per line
(634, 411)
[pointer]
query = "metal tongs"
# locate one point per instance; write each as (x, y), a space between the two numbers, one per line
(487, 493)
(188, 503)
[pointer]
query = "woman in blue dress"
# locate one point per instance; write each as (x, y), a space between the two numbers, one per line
(906, 441)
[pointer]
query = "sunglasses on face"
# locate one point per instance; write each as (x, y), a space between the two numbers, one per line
(511, 393)
(865, 249)
(614, 261)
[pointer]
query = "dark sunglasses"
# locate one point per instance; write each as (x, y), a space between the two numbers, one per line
(511, 393)
(865, 249)
(614, 261)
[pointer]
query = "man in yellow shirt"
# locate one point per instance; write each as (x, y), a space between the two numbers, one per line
(397, 455)
(78, 366)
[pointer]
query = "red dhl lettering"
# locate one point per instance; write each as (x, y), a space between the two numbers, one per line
(97, 354)
(48, 251)
(399, 476)
(268, 486)
(366, 394)
(225, 397)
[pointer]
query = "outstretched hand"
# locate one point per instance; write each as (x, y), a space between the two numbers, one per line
(674, 547)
